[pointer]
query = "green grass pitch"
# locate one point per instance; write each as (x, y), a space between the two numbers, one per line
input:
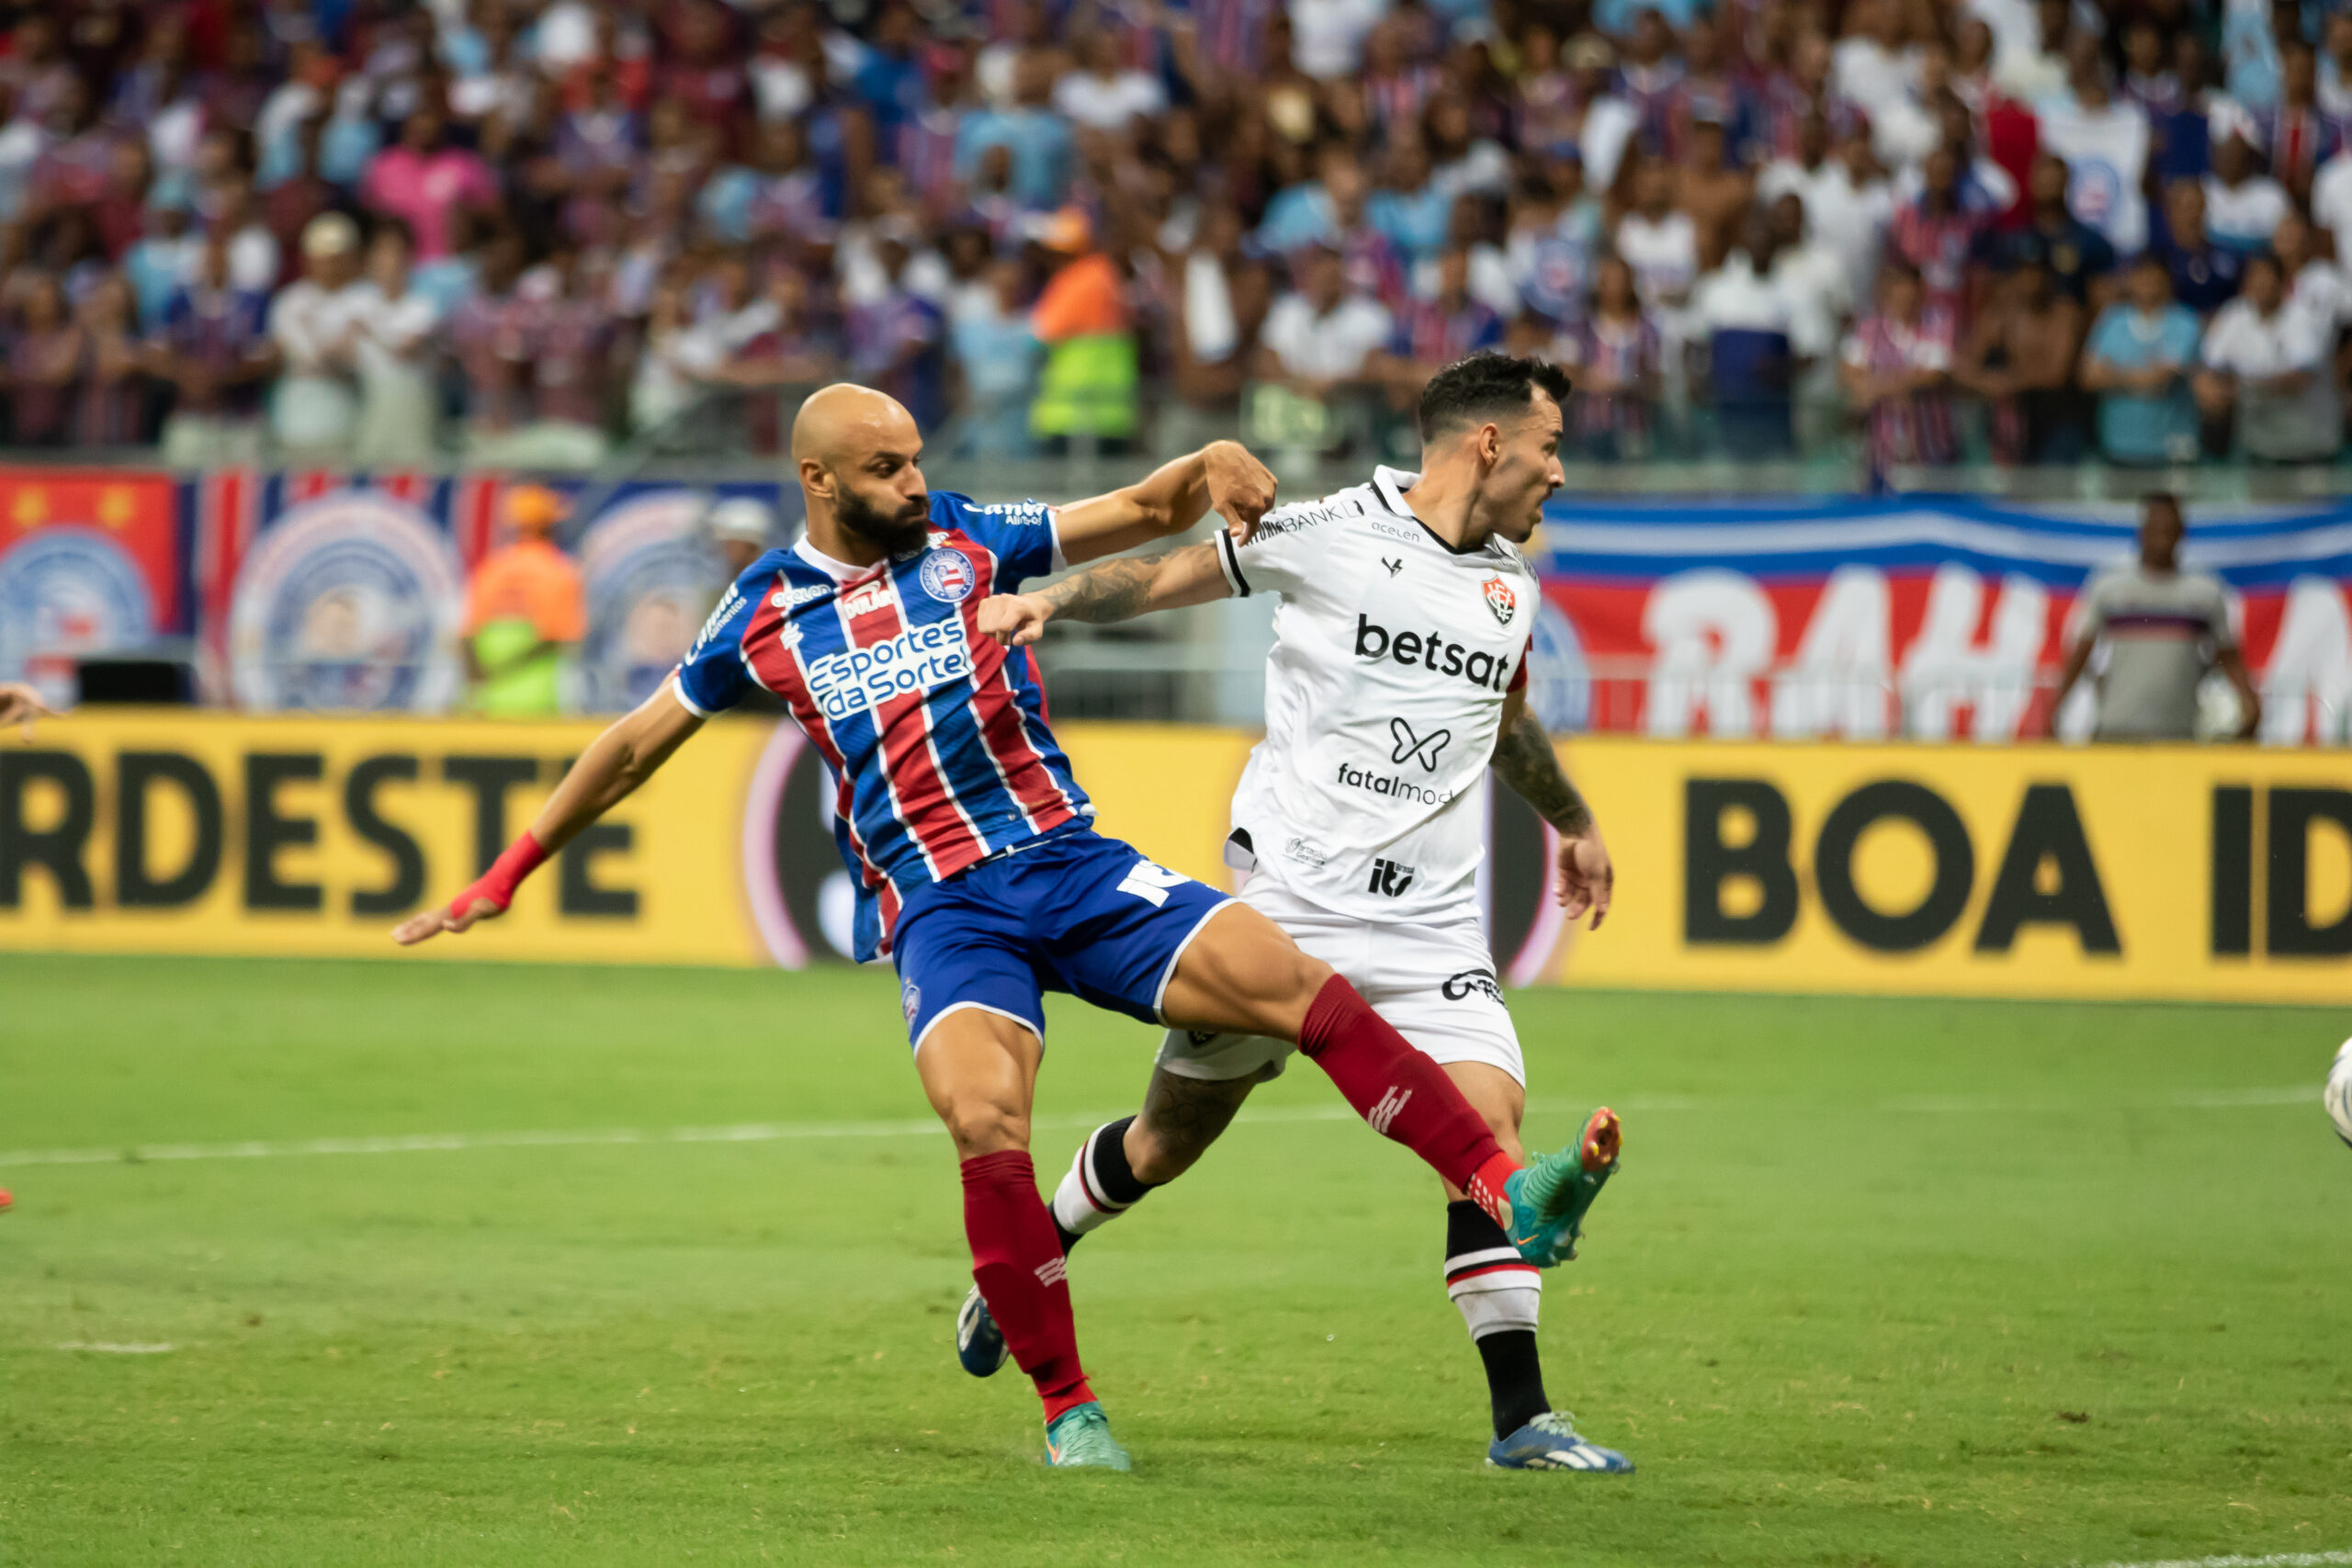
(1881, 1282)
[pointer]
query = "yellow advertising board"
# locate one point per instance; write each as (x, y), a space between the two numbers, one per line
(2220, 872)
(170, 831)
(2024, 871)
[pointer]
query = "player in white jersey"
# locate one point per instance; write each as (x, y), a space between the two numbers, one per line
(1398, 677)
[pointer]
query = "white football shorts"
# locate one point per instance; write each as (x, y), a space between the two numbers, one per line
(1435, 984)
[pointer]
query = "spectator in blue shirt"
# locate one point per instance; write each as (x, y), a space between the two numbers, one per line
(2139, 361)
(889, 80)
(997, 355)
(2204, 275)
(1039, 138)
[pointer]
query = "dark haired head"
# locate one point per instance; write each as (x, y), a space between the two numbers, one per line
(1497, 387)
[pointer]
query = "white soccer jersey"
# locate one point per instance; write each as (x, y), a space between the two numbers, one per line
(1393, 653)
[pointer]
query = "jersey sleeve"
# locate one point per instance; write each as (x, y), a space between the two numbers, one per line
(1023, 535)
(1280, 557)
(712, 679)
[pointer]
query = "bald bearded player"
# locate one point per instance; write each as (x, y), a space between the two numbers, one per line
(979, 871)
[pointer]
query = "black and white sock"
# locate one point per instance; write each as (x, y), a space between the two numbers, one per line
(1100, 1185)
(1497, 1292)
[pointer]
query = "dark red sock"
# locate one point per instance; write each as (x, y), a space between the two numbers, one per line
(1402, 1093)
(1017, 1263)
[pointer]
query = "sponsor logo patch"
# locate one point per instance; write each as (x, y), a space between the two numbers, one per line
(947, 576)
(1389, 879)
(1472, 982)
(1434, 653)
(1306, 854)
(1305, 514)
(1423, 749)
(867, 597)
(1390, 785)
(1499, 599)
(917, 659)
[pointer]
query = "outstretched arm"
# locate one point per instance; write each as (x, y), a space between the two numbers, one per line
(615, 764)
(1115, 591)
(1524, 759)
(1221, 476)
(21, 705)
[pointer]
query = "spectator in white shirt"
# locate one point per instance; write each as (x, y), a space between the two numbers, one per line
(1821, 303)
(1745, 319)
(392, 331)
(1316, 359)
(1318, 336)
(1326, 36)
(1659, 243)
(1872, 65)
(2031, 71)
(1848, 205)
(2243, 204)
(2336, 66)
(2105, 141)
(1105, 92)
(2332, 200)
(314, 412)
(2267, 362)
(2314, 286)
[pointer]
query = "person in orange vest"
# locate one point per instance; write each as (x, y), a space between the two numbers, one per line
(1087, 388)
(525, 610)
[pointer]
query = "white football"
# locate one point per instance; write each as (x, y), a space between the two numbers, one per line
(2339, 1092)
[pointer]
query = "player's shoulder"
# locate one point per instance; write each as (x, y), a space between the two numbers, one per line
(731, 616)
(953, 510)
(1328, 517)
(1505, 556)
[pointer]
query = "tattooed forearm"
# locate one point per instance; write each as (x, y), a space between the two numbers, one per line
(1115, 591)
(1524, 759)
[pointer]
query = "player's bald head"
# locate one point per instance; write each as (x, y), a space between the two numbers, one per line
(859, 457)
(839, 426)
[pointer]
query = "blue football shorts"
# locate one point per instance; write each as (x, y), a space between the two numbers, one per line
(1069, 911)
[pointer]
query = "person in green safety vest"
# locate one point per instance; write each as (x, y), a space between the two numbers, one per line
(525, 610)
(1088, 389)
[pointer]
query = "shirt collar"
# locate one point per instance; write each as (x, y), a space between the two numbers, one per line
(1391, 484)
(839, 571)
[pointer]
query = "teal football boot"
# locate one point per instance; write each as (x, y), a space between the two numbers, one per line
(1081, 1436)
(1549, 1199)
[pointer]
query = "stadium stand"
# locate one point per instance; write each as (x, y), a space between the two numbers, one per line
(520, 231)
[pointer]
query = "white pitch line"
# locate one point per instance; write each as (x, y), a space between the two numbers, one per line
(787, 1131)
(2278, 1560)
(110, 1348)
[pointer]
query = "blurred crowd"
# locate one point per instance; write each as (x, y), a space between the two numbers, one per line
(517, 232)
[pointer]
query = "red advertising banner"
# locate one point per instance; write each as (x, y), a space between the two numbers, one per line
(91, 562)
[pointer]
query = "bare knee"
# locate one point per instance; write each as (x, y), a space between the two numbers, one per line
(978, 1072)
(986, 1125)
(1245, 975)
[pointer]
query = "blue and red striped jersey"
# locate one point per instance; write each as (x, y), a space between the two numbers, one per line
(936, 737)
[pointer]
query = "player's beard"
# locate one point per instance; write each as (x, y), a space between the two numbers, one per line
(896, 533)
